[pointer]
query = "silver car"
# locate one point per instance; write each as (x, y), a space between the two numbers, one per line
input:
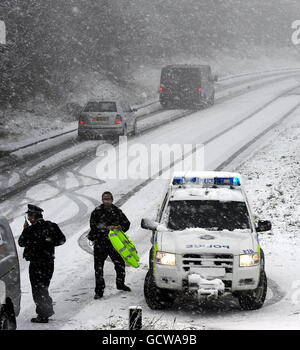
(10, 291)
(110, 118)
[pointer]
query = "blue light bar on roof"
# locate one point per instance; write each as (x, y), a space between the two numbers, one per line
(229, 181)
(220, 181)
(178, 181)
(185, 180)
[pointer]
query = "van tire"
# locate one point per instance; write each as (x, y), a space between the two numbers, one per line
(254, 299)
(7, 318)
(157, 298)
(211, 101)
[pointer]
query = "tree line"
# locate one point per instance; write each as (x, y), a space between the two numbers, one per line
(48, 41)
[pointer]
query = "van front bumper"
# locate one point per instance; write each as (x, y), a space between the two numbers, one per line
(174, 278)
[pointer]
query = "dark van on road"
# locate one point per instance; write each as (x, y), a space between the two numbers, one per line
(10, 292)
(187, 86)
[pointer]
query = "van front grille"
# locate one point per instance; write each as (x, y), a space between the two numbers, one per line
(208, 260)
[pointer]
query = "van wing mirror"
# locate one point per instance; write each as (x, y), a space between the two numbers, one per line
(263, 226)
(148, 224)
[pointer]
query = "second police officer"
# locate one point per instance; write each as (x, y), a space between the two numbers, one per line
(104, 218)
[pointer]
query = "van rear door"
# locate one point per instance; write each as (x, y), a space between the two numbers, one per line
(182, 78)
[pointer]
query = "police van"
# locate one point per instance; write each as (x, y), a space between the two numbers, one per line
(10, 292)
(205, 242)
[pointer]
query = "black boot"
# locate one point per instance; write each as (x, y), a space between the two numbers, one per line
(98, 296)
(123, 287)
(40, 319)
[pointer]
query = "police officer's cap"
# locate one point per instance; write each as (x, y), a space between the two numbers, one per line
(34, 209)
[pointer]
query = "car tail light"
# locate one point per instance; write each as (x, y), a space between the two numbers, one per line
(81, 122)
(199, 89)
(118, 119)
(161, 89)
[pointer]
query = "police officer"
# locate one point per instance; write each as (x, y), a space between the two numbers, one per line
(39, 240)
(104, 218)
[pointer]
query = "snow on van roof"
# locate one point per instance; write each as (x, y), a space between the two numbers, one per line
(206, 174)
(183, 65)
(210, 194)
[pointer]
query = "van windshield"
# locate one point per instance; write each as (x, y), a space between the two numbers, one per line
(211, 215)
(181, 77)
(100, 107)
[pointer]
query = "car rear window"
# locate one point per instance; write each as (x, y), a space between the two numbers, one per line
(101, 107)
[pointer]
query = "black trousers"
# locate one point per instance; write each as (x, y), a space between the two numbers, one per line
(101, 252)
(40, 274)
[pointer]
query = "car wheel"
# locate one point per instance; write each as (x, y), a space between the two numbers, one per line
(81, 137)
(165, 105)
(156, 298)
(7, 319)
(124, 133)
(135, 130)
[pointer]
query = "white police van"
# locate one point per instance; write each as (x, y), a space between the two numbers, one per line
(205, 242)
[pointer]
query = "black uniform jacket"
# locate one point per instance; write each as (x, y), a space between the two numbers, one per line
(101, 218)
(39, 240)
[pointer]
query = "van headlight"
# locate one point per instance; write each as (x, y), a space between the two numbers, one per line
(166, 258)
(249, 260)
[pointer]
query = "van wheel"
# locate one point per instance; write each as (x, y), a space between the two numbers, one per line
(156, 298)
(7, 319)
(211, 101)
(254, 299)
(80, 137)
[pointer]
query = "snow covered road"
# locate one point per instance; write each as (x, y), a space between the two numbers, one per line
(69, 196)
(26, 165)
